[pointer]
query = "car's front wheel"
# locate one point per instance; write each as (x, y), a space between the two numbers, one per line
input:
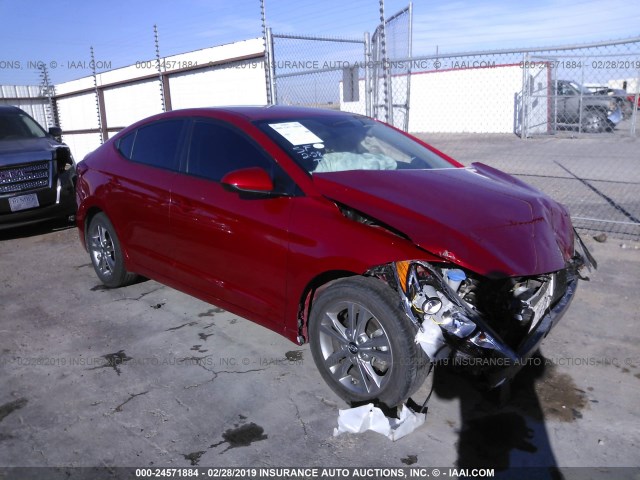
(106, 253)
(363, 343)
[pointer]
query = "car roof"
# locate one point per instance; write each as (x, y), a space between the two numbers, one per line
(246, 113)
(269, 112)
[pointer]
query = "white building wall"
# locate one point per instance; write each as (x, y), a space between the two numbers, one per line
(126, 104)
(78, 112)
(237, 83)
(469, 100)
(132, 93)
(82, 143)
(473, 100)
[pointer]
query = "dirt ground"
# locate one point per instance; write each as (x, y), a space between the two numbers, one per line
(147, 376)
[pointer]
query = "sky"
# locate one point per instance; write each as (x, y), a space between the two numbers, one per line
(61, 33)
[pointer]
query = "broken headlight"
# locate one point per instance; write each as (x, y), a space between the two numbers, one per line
(484, 340)
(440, 300)
(431, 296)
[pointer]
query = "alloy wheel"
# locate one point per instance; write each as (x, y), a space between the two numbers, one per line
(102, 250)
(355, 348)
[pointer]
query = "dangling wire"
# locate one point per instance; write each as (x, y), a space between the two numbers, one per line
(432, 367)
(424, 409)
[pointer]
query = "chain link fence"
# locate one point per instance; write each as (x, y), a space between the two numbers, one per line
(564, 119)
(318, 71)
(390, 85)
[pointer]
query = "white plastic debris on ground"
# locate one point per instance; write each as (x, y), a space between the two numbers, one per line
(368, 417)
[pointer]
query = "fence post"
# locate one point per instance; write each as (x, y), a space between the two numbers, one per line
(267, 56)
(367, 74)
(157, 45)
(634, 114)
(410, 54)
(272, 69)
(386, 84)
(47, 92)
(100, 110)
(523, 99)
(581, 100)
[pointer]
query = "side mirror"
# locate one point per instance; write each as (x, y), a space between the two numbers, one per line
(55, 131)
(248, 180)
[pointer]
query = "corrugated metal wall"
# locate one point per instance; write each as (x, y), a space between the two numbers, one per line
(78, 112)
(236, 83)
(89, 113)
(126, 104)
(91, 110)
(30, 99)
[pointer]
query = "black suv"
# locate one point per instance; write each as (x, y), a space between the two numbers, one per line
(37, 172)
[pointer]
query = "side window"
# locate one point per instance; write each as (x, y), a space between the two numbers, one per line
(157, 144)
(216, 150)
(125, 144)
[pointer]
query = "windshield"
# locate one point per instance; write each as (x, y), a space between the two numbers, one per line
(19, 126)
(336, 143)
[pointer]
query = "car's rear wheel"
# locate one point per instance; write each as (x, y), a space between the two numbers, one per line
(363, 343)
(106, 253)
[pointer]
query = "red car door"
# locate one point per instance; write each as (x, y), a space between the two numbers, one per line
(229, 246)
(139, 192)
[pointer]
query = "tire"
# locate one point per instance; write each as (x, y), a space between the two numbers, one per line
(375, 358)
(594, 121)
(106, 253)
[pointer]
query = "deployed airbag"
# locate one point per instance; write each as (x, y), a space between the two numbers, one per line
(341, 161)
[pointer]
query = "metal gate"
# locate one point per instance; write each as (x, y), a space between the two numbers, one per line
(358, 75)
(535, 110)
(391, 46)
(318, 71)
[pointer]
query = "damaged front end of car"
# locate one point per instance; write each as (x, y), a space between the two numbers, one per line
(490, 327)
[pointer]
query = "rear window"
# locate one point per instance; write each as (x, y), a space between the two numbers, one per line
(125, 144)
(155, 144)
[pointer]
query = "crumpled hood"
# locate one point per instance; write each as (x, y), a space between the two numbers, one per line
(15, 152)
(477, 217)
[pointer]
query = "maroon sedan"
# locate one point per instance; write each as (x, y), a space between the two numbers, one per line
(328, 227)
